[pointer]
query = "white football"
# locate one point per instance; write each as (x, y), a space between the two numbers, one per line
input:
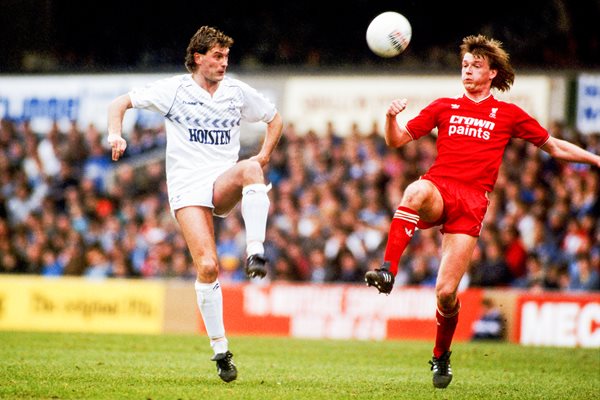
(389, 34)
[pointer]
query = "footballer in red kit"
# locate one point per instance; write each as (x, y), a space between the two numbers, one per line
(473, 131)
(484, 127)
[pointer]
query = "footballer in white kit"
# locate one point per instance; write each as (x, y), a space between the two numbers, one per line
(203, 131)
(203, 111)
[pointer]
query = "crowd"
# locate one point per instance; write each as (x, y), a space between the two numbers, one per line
(67, 209)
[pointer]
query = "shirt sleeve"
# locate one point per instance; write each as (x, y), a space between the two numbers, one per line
(529, 129)
(256, 106)
(157, 96)
(424, 122)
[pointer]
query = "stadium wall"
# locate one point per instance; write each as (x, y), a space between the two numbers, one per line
(296, 310)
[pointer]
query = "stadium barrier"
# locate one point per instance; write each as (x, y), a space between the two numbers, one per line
(339, 312)
(335, 311)
(556, 319)
(81, 305)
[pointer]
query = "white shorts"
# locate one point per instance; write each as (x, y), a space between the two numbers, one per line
(199, 192)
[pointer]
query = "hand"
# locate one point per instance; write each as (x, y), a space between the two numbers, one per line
(118, 145)
(260, 159)
(396, 107)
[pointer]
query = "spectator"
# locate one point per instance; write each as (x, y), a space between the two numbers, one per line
(515, 253)
(320, 271)
(350, 270)
(31, 163)
(51, 265)
(48, 151)
(98, 265)
(25, 201)
(491, 324)
(97, 165)
(585, 277)
(419, 272)
(492, 270)
(10, 263)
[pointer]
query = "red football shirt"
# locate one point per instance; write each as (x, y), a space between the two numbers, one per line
(472, 136)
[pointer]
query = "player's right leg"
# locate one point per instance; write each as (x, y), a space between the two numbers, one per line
(198, 231)
(421, 199)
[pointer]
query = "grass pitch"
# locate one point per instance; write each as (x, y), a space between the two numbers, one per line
(93, 366)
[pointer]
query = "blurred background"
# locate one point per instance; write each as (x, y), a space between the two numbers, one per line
(67, 210)
(67, 36)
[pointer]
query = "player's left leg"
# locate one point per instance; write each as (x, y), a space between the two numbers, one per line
(457, 250)
(245, 180)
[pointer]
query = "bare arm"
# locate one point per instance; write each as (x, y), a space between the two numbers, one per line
(274, 129)
(395, 135)
(116, 112)
(567, 151)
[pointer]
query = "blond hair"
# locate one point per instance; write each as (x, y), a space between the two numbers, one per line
(497, 57)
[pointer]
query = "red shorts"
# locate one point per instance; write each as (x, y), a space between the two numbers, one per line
(464, 207)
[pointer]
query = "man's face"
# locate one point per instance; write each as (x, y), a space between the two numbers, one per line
(476, 73)
(213, 64)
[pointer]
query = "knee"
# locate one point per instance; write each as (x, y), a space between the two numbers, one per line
(414, 195)
(207, 269)
(446, 296)
(252, 171)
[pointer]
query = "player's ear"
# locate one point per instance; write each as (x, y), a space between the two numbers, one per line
(198, 58)
(493, 73)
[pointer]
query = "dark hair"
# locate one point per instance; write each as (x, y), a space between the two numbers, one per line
(203, 40)
(491, 49)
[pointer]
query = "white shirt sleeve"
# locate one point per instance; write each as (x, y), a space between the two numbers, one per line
(157, 96)
(256, 106)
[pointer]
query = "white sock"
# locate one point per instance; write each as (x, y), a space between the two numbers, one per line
(210, 303)
(255, 209)
(219, 345)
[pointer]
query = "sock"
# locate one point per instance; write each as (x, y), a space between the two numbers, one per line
(255, 209)
(446, 325)
(401, 231)
(219, 345)
(210, 303)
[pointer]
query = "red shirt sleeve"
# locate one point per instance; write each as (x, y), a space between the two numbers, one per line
(425, 122)
(527, 128)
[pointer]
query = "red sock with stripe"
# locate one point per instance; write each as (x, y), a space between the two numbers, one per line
(446, 325)
(401, 231)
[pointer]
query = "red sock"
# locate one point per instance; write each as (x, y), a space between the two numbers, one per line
(446, 325)
(401, 231)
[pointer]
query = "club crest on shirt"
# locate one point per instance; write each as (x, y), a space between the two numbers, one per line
(493, 113)
(175, 199)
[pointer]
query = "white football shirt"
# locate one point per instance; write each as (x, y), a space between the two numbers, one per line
(203, 131)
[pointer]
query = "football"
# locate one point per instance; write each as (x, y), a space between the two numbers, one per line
(389, 34)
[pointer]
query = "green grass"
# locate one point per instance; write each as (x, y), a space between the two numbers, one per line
(88, 366)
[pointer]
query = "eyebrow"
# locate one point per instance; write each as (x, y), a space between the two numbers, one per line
(224, 51)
